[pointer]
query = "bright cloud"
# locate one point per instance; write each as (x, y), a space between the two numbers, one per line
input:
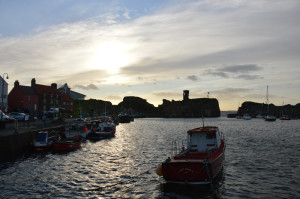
(122, 48)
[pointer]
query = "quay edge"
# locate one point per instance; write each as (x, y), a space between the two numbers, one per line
(19, 143)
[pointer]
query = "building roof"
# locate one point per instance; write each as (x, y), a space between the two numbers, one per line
(76, 93)
(64, 86)
(3, 80)
(28, 90)
(43, 88)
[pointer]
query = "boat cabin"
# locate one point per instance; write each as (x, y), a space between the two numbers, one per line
(203, 139)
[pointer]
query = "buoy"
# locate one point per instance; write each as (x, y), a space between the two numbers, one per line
(159, 170)
(85, 129)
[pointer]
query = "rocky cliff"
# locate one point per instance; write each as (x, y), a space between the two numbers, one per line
(137, 106)
(206, 107)
(254, 109)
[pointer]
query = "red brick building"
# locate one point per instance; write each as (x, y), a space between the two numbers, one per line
(40, 97)
(67, 103)
(23, 97)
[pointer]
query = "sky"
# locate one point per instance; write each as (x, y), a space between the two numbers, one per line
(225, 49)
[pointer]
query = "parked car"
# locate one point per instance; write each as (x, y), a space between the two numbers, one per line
(17, 116)
(6, 117)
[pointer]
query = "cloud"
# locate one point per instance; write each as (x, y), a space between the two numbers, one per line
(88, 87)
(167, 94)
(230, 71)
(246, 68)
(230, 93)
(248, 77)
(233, 40)
(215, 73)
(192, 77)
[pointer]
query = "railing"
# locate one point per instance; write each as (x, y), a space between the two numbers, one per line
(176, 149)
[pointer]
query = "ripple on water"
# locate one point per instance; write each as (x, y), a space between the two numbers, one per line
(262, 161)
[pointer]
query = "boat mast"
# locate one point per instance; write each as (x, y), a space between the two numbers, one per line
(267, 102)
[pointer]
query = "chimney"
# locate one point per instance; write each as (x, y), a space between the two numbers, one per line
(33, 82)
(54, 85)
(186, 95)
(17, 83)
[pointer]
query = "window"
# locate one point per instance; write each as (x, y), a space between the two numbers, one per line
(211, 135)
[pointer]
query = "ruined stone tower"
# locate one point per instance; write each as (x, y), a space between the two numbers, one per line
(186, 95)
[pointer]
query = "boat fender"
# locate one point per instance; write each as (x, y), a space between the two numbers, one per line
(159, 170)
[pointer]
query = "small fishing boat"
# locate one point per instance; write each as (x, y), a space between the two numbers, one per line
(201, 162)
(66, 145)
(102, 130)
(43, 142)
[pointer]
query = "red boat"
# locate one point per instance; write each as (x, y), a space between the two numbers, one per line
(66, 145)
(201, 162)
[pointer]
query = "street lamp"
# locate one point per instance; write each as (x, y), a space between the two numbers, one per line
(2, 104)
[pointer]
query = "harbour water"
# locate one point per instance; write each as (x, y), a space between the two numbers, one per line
(262, 161)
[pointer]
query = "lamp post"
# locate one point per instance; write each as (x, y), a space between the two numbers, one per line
(2, 104)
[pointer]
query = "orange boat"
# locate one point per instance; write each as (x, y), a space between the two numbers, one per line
(201, 162)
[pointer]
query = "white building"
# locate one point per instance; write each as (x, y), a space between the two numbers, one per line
(74, 95)
(3, 94)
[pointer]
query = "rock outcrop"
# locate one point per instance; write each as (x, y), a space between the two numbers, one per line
(206, 107)
(137, 106)
(254, 109)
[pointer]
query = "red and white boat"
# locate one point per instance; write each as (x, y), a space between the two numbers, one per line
(201, 162)
(43, 142)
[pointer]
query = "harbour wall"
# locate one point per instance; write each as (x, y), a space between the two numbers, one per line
(19, 143)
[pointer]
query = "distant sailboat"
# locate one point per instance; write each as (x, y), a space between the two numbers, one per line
(269, 117)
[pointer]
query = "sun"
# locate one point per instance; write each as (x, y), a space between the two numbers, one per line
(111, 57)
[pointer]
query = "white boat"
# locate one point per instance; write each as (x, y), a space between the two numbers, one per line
(43, 142)
(269, 117)
(259, 116)
(247, 117)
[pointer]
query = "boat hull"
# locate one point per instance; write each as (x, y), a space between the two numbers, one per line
(193, 170)
(42, 146)
(66, 146)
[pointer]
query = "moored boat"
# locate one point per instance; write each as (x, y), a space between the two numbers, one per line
(43, 142)
(102, 130)
(269, 117)
(201, 162)
(247, 117)
(285, 117)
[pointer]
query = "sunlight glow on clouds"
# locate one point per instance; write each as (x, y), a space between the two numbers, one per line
(124, 48)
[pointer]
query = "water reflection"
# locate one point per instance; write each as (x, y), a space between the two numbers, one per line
(124, 166)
